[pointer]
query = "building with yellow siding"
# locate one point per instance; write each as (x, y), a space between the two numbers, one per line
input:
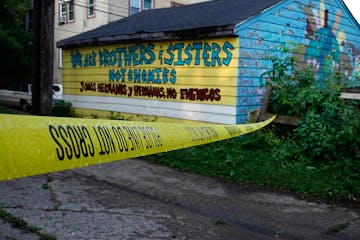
(203, 62)
(73, 17)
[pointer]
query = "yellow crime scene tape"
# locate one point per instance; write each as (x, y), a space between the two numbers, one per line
(32, 145)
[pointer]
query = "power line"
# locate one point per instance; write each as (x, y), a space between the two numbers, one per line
(99, 10)
(103, 11)
(64, 30)
(111, 4)
(118, 7)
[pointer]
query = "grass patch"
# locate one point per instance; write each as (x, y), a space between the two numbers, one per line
(46, 185)
(4, 110)
(337, 228)
(17, 222)
(266, 159)
(45, 236)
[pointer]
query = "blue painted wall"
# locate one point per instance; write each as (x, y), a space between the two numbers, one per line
(325, 32)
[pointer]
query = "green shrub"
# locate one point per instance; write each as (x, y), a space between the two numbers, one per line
(320, 156)
(329, 125)
(62, 108)
(328, 135)
(5, 110)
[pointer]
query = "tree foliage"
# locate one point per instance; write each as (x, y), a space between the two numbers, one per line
(15, 41)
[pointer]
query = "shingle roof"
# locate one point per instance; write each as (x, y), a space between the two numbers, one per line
(216, 17)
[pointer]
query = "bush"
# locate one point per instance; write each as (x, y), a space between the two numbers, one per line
(62, 109)
(328, 135)
(320, 156)
(329, 126)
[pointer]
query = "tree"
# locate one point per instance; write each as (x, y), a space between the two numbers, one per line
(15, 41)
(43, 25)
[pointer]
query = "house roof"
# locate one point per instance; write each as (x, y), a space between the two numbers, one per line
(206, 19)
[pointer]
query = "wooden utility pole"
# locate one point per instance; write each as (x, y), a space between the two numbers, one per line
(43, 53)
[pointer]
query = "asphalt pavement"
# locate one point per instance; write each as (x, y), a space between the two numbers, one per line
(135, 199)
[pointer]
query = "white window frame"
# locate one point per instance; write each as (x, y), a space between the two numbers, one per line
(60, 59)
(71, 2)
(64, 10)
(139, 5)
(90, 7)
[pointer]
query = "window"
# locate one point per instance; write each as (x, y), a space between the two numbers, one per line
(62, 13)
(91, 6)
(135, 6)
(140, 5)
(147, 5)
(71, 11)
(66, 11)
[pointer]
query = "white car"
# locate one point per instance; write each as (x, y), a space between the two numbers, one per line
(23, 99)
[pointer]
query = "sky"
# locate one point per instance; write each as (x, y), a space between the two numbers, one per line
(354, 6)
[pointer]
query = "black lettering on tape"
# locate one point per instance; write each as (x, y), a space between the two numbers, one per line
(64, 136)
(81, 141)
(106, 140)
(133, 137)
(90, 146)
(120, 139)
(59, 149)
(72, 141)
(76, 149)
(147, 137)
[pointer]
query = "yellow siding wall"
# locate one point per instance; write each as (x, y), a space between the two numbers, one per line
(193, 80)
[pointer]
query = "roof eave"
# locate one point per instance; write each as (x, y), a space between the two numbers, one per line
(206, 32)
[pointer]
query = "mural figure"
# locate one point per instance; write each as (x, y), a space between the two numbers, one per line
(325, 51)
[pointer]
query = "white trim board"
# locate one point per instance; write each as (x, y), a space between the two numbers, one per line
(180, 110)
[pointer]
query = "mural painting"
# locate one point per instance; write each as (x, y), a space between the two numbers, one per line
(320, 34)
(328, 50)
(202, 72)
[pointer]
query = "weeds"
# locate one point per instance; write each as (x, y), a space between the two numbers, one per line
(319, 157)
(62, 108)
(46, 185)
(337, 228)
(17, 222)
(4, 110)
